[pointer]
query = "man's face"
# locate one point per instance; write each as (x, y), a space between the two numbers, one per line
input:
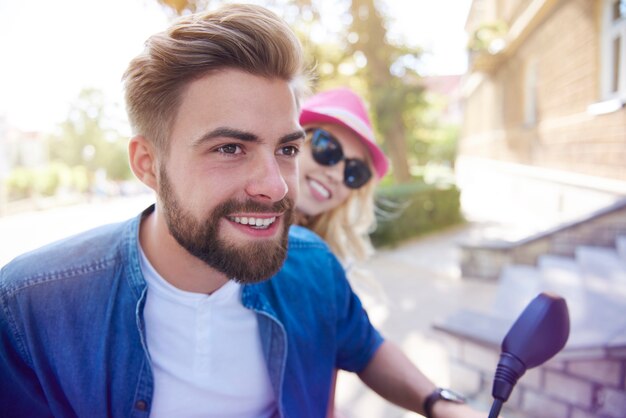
(228, 182)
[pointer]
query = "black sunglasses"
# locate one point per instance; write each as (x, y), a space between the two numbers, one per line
(326, 150)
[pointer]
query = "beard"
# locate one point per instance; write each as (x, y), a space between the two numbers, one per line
(244, 263)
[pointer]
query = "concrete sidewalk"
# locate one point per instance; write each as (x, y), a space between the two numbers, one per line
(412, 286)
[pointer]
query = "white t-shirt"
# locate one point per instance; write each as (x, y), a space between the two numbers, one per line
(205, 352)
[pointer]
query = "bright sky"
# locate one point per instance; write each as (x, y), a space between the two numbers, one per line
(51, 49)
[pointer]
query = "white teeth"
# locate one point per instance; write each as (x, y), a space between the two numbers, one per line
(256, 222)
(319, 188)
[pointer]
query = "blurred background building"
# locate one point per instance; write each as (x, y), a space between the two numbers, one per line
(540, 164)
(544, 133)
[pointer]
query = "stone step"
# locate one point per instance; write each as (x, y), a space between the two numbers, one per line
(558, 262)
(595, 290)
(620, 245)
(593, 283)
(592, 310)
(482, 327)
(562, 275)
(602, 320)
(518, 285)
(559, 274)
(603, 270)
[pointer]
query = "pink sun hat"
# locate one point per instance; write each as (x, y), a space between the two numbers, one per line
(343, 107)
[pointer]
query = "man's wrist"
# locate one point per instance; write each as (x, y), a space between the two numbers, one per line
(439, 396)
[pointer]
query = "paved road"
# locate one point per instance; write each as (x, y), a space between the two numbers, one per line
(407, 288)
(29, 230)
(419, 283)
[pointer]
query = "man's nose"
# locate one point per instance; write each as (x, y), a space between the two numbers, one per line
(267, 180)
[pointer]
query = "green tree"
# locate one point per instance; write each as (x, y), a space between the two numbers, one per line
(359, 55)
(394, 91)
(84, 140)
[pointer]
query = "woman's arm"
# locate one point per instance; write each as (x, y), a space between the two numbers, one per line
(393, 376)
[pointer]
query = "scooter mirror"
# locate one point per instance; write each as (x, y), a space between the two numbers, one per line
(540, 332)
(537, 335)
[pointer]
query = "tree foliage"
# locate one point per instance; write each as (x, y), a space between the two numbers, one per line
(83, 140)
(358, 55)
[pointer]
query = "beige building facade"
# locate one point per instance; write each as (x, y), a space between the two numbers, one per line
(544, 130)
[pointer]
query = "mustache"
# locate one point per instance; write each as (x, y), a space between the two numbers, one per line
(230, 206)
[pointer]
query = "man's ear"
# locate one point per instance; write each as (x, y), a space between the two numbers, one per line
(143, 160)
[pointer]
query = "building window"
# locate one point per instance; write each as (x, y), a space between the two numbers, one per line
(614, 50)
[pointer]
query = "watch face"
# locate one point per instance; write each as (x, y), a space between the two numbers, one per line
(451, 396)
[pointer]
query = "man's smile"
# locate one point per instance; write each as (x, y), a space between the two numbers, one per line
(255, 222)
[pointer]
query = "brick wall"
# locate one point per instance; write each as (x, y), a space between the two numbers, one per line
(572, 385)
(565, 48)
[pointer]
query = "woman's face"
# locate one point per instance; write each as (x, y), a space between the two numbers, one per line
(322, 187)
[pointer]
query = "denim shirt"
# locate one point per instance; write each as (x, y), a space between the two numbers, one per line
(72, 332)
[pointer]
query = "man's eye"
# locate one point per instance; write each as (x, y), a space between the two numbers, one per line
(289, 150)
(230, 149)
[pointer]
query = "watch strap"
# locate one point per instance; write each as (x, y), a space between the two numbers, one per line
(437, 395)
(430, 401)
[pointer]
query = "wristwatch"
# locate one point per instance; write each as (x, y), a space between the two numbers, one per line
(441, 394)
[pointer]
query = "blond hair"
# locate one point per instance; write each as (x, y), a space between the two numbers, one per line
(245, 37)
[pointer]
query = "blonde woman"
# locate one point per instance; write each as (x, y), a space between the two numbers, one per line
(339, 170)
(340, 167)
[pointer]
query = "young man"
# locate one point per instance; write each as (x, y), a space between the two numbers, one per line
(206, 304)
